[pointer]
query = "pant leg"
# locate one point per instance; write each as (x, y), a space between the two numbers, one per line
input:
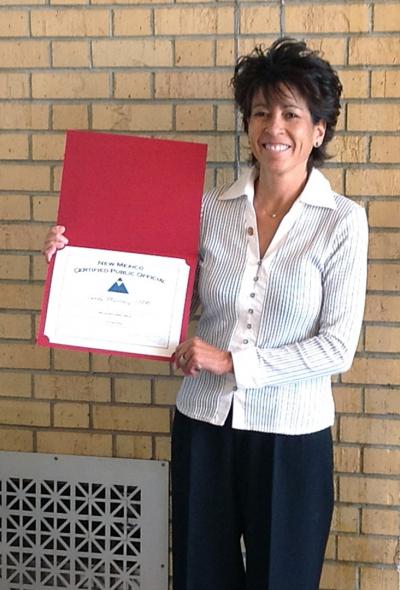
(287, 496)
(205, 519)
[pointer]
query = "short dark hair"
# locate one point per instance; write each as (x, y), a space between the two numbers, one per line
(290, 63)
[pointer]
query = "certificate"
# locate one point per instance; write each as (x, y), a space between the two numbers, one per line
(109, 300)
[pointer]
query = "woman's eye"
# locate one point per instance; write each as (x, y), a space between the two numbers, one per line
(290, 115)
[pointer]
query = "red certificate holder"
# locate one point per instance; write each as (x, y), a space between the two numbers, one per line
(132, 194)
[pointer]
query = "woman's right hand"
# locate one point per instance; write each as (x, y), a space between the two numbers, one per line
(55, 240)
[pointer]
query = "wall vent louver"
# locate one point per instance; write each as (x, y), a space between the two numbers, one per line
(82, 523)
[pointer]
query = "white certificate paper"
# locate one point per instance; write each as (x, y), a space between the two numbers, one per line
(116, 301)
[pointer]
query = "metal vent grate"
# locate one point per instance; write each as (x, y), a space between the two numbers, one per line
(82, 523)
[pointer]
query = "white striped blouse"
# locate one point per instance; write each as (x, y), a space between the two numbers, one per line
(290, 320)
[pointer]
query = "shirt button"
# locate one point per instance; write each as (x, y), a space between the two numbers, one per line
(252, 294)
(255, 279)
(245, 341)
(235, 388)
(250, 231)
(248, 326)
(251, 311)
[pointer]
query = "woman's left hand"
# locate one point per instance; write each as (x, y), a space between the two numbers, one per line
(195, 355)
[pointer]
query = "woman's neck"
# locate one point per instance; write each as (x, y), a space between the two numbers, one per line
(276, 192)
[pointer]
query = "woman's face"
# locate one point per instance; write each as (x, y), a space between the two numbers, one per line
(281, 131)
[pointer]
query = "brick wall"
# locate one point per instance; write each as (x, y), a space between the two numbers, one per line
(162, 68)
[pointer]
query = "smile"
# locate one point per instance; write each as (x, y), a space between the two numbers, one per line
(276, 147)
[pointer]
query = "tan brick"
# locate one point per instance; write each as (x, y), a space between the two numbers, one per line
(384, 277)
(198, 20)
(330, 552)
(347, 459)
(336, 178)
(23, 116)
(134, 391)
(15, 384)
(384, 213)
(194, 53)
(382, 400)
(225, 52)
(135, 366)
(382, 339)
(163, 448)
(71, 415)
(73, 116)
(48, 147)
(44, 208)
(135, 419)
(21, 237)
(345, 519)
(70, 2)
(132, 53)
(70, 54)
(14, 207)
(347, 399)
(373, 182)
(24, 54)
(384, 245)
(57, 175)
(386, 17)
(355, 83)
(132, 117)
(130, 22)
(14, 267)
(337, 576)
(349, 148)
(369, 490)
(21, 296)
(385, 149)
(12, 439)
(24, 413)
(326, 18)
(372, 579)
(14, 23)
(374, 371)
(366, 548)
(193, 85)
(331, 49)
(259, 19)
(133, 447)
(17, 2)
(70, 22)
(24, 356)
(24, 177)
(224, 176)
(194, 117)
(70, 85)
(72, 388)
(14, 85)
(373, 117)
(72, 360)
(13, 146)
(75, 443)
(385, 461)
(15, 326)
(369, 430)
(369, 50)
(165, 391)
(225, 118)
(129, 1)
(380, 522)
(132, 85)
(382, 309)
(385, 84)
(39, 268)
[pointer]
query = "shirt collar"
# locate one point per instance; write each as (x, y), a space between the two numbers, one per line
(317, 192)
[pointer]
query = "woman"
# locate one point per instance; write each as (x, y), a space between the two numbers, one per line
(282, 271)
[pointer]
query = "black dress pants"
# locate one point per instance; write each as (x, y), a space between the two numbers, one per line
(274, 491)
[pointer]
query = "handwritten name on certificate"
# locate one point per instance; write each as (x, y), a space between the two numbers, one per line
(117, 301)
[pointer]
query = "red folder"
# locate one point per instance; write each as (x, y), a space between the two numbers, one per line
(132, 194)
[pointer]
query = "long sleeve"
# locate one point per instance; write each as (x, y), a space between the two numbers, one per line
(332, 349)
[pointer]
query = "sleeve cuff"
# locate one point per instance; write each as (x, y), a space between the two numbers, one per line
(245, 366)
